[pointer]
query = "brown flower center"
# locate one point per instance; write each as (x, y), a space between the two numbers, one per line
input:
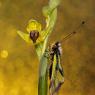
(34, 35)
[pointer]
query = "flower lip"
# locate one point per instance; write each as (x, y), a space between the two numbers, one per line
(34, 35)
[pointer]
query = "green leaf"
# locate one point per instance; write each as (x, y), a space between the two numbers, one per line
(24, 36)
(50, 12)
(54, 3)
(47, 10)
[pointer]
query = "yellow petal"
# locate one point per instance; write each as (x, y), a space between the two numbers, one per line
(33, 25)
(24, 36)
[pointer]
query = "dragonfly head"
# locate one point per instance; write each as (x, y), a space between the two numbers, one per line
(57, 48)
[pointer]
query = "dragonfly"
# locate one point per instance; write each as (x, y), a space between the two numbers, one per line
(55, 68)
(56, 72)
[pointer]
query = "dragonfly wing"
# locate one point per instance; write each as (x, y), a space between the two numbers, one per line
(60, 66)
(53, 76)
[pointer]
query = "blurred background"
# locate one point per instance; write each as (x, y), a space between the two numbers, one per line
(18, 61)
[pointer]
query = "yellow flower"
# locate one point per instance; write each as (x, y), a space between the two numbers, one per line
(35, 35)
(33, 32)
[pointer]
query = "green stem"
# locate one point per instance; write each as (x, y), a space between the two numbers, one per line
(43, 76)
(42, 87)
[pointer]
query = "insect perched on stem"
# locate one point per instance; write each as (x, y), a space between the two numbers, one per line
(55, 68)
(55, 65)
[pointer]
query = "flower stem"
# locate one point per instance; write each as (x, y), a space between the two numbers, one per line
(43, 76)
(42, 87)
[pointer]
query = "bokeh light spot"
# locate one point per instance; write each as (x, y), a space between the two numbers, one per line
(4, 54)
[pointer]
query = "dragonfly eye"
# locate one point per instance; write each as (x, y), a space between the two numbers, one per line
(56, 46)
(34, 36)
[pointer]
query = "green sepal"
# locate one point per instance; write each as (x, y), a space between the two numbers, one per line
(24, 36)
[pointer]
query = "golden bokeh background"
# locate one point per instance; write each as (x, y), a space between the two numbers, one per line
(18, 61)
